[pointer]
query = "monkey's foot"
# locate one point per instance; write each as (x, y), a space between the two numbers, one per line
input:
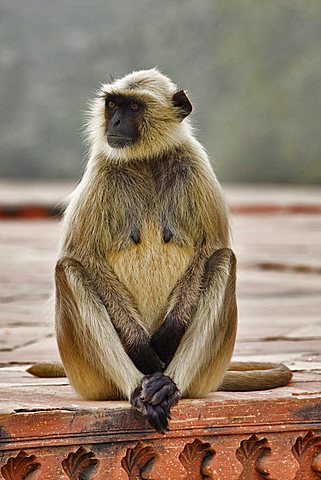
(154, 398)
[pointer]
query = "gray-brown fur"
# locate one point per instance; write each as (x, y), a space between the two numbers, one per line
(145, 257)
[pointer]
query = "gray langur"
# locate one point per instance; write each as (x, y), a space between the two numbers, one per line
(145, 281)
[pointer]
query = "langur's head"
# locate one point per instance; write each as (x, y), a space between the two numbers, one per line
(139, 115)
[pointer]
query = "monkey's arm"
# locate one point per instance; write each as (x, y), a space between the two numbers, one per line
(211, 232)
(204, 352)
(123, 313)
(182, 303)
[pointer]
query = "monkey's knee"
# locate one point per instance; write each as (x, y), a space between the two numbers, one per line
(222, 256)
(66, 264)
(221, 263)
(67, 271)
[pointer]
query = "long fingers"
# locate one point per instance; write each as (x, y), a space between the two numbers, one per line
(154, 399)
(157, 418)
(157, 387)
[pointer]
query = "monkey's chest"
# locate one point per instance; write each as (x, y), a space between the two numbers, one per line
(149, 269)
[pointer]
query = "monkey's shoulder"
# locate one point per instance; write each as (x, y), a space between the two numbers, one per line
(174, 166)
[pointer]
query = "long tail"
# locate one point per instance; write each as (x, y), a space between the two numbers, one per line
(249, 376)
(240, 377)
(47, 370)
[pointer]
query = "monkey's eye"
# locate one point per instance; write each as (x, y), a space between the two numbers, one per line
(111, 105)
(135, 106)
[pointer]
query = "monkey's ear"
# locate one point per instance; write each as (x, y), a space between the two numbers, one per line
(182, 104)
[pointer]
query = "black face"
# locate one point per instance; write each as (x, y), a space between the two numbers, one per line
(122, 117)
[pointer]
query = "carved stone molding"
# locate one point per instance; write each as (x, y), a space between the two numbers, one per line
(138, 460)
(80, 465)
(19, 467)
(195, 458)
(251, 454)
(198, 459)
(307, 452)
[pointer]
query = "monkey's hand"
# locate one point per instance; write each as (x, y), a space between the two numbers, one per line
(154, 398)
(167, 338)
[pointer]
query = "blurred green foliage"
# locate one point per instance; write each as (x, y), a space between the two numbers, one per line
(252, 69)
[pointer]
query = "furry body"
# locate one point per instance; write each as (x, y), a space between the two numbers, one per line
(145, 283)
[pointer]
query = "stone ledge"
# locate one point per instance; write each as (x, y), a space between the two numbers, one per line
(258, 435)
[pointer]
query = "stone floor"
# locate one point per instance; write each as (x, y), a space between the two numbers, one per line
(277, 239)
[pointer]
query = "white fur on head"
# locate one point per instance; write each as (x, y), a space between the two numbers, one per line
(151, 82)
(160, 129)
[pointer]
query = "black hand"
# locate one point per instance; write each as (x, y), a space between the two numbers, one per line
(158, 387)
(156, 415)
(154, 399)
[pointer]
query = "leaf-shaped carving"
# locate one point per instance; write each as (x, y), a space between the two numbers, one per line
(19, 467)
(80, 465)
(195, 458)
(138, 460)
(307, 452)
(251, 454)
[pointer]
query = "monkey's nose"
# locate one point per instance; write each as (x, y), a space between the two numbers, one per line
(116, 123)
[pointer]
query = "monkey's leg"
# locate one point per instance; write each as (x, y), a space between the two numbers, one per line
(204, 353)
(93, 356)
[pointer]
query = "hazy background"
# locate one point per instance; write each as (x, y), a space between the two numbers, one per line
(252, 69)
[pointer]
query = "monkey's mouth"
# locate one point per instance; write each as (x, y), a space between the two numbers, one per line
(119, 141)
